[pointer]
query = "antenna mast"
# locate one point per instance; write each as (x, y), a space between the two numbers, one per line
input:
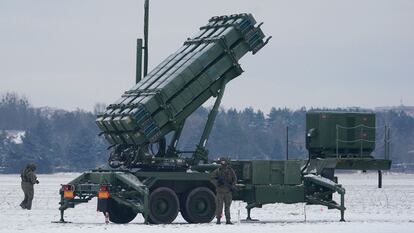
(141, 47)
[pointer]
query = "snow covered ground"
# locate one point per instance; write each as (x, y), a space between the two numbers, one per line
(369, 209)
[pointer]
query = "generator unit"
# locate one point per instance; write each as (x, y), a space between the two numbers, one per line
(347, 137)
(340, 134)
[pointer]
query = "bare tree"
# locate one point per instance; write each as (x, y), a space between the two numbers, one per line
(99, 108)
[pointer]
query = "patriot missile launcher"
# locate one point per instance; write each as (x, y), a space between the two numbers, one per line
(161, 184)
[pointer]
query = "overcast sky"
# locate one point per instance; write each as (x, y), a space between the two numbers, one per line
(324, 53)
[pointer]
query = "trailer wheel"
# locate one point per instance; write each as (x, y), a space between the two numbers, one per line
(119, 213)
(163, 206)
(200, 206)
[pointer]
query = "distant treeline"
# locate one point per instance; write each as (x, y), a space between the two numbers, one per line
(60, 141)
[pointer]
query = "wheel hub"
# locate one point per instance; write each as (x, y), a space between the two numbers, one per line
(162, 206)
(200, 206)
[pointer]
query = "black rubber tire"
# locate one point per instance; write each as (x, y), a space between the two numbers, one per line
(163, 206)
(119, 213)
(200, 206)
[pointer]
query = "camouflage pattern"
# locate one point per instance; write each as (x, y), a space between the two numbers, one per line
(29, 178)
(226, 199)
(225, 180)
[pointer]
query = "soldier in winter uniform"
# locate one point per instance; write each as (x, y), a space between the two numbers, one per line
(225, 180)
(28, 180)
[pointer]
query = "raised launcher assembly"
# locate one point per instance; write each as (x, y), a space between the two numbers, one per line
(160, 103)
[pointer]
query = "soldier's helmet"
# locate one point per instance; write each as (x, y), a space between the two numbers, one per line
(32, 166)
(224, 161)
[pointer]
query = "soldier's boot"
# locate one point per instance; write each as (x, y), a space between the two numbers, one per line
(228, 222)
(218, 221)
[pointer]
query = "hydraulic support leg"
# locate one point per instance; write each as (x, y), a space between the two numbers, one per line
(201, 154)
(342, 207)
(249, 207)
(379, 179)
(248, 214)
(62, 220)
(62, 211)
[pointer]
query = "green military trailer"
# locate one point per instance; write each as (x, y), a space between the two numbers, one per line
(160, 195)
(161, 184)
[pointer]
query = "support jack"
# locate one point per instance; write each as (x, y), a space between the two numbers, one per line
(249, 219)
(61, 220)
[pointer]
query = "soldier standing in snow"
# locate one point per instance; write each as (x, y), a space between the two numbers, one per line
(225, 180)
(28, 180)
